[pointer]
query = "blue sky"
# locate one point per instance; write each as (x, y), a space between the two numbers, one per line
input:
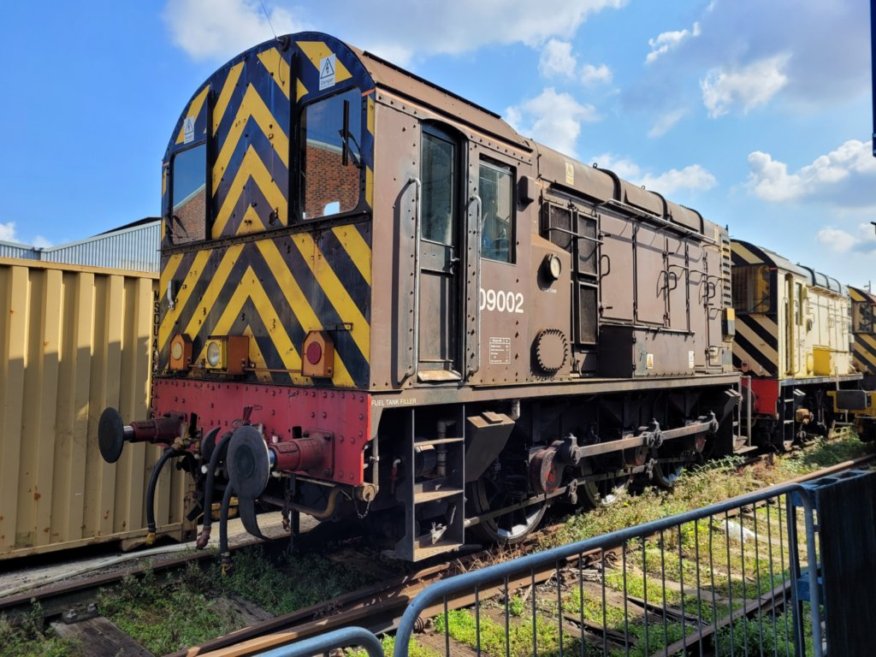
(758, 114)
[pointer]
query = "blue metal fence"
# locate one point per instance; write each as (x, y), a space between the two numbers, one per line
(743, 577)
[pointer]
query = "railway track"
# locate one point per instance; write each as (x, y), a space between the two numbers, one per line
(378, 607)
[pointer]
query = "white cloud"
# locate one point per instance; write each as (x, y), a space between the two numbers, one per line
(666, 41)
(691, 178)
(457, 26)
(748, 87)
(7, 232)
(837, 177)
(665, 122)
(836, 240)
(623, 167)
(842, 241)
(828, 40)
(591, 74)
(552, 118)
(557, 60)
(221, 28)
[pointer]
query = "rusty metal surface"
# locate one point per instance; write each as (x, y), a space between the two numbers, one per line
(74, 340)
(390, 77)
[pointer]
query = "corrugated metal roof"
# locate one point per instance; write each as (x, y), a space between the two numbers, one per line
(16, 250)
(134, 247)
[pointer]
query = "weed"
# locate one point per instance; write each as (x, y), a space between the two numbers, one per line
(415, 649)
(28, 638)
(290, 584)
(516, 605)
(765, 634)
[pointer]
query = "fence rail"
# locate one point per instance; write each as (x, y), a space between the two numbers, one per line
(742, 577)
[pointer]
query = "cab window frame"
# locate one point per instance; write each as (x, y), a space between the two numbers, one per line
(433, 132)
(171, 192)
(864, 317)
(511, 171)
(298, 146)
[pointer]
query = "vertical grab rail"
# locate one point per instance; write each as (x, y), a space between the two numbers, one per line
(412, 369)
(477, 300)
(749, 422)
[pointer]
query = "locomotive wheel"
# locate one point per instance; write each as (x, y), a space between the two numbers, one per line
(600, 493)
(486, 495)
(665, 475)
(782, 446)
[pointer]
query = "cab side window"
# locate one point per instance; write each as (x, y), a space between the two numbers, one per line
(188, 214)
(864, 317)
(439, 187)
(497, 211)
(331, 155)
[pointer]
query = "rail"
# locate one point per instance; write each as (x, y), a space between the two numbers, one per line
(343, 638)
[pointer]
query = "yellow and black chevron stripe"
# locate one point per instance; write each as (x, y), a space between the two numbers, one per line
(756, 344)
(745, 253)
(864, 347)
(273, 285)
(864, 353)
(276, 290)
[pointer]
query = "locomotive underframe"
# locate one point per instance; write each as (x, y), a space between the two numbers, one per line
(571, 449)
(794, 411)
(443, 459)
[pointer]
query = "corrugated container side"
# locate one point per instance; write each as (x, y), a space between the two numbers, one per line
(74, 340)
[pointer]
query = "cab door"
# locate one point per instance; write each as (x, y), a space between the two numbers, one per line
(440, 250)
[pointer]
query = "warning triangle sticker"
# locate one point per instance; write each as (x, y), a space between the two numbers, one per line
(327, 72)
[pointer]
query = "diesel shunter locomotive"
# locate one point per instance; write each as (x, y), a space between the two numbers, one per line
(379, 301)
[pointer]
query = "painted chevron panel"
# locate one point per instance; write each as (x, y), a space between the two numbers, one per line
(864, 353)
(744, 253)
(277, 290)
(756, 344)
(864, 346)
(273, 287)
(251, 145)
(197, 110)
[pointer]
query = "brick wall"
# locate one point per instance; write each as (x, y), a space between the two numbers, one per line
(328, 180)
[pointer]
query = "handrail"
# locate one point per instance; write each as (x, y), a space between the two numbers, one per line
(478, 578)
(415, 364)
(477, 299)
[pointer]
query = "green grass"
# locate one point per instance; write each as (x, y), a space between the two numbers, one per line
(741, 566)
(750, 636)
(698, 487)
(165, 616)
(291, 583)
(181, 610)
(490, 636)
(28, 638)
(415, 649)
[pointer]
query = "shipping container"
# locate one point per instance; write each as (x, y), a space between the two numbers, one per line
(75, 340)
